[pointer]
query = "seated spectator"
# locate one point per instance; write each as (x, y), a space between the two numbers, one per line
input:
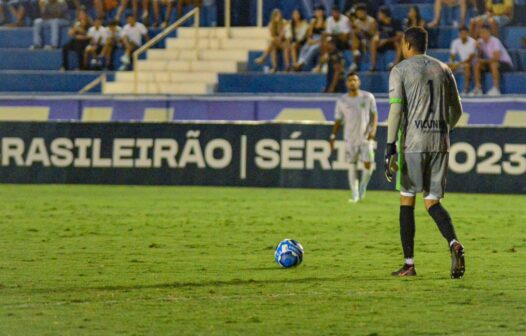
(339, 28)
(277, 26)
(364, 28)
(157, 12)
(414, 18)
(19, 9)
(54, 15)
(94, 50)
(79, 39)
(296, 35)
(462, 54)
(388, 37)
(311, 50)
(493, 57)
(450, 3)
(335, 68)
(112, 42)
(498, 14)
(133, 35)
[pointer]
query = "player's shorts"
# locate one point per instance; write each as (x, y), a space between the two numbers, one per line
(423, 172)
(362, 153)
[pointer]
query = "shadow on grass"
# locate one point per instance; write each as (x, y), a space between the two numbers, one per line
(225, 283)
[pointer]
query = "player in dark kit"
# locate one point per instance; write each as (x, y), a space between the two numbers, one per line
(425, 106)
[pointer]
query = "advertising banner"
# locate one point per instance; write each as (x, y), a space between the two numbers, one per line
(290, 155)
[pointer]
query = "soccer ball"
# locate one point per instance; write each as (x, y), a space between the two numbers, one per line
(289, 253)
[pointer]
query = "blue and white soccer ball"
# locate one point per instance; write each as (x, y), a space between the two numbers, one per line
(289, 253)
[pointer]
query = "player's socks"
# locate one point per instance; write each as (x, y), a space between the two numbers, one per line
(407, 230)
(409, 261)
(366, 177)
(443, 221)
(353, 183)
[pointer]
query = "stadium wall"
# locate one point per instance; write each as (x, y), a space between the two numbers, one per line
(257, 154)
(478, 111)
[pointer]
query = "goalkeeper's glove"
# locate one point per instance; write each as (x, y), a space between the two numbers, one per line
(390, 161)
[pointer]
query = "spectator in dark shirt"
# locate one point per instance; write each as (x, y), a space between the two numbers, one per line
(54, 15)
(388, 37)
(335, 73)
(79, 39)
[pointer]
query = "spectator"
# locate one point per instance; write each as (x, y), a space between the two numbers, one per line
(450, 3)
(295, 35)
(335, 73)
(54, 15)
(493, 57)
(97, 39)
(364, 28)
(372, 6)
(312, 47)
(498, 14)
(388, 37)
(112, 42)
(133, 34)
(465, 49)
(19, 9)
(414, 18)
(339, 28)
(79, 39)
(157, 12)
(276, 27)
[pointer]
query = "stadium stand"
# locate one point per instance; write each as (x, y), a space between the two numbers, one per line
(226, 65)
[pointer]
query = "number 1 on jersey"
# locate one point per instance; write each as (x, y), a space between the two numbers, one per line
(430, 109)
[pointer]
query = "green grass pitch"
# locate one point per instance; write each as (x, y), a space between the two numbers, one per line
(94, 260)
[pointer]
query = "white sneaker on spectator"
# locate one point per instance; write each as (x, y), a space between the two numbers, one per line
(125, 59)
(493, 92)
(476, 92)
(353, 67)
(48, 47)
(324, 68)
(123, 67)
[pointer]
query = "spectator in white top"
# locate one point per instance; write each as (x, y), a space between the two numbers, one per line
(462, 54)
(97, 35)
(132, 38)
(339, 28)
(493, 57)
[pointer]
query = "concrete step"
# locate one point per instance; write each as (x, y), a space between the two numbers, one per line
(125, 87)
(235, 32)
(204, 55)
(217, 43)
(173, 77)
(195, 66)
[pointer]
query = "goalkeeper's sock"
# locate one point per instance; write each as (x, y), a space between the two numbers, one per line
(353, 181)
(407, 230)
(443, 221)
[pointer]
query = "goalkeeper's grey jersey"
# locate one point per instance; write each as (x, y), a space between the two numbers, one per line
(357, 115)
(425, 87)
